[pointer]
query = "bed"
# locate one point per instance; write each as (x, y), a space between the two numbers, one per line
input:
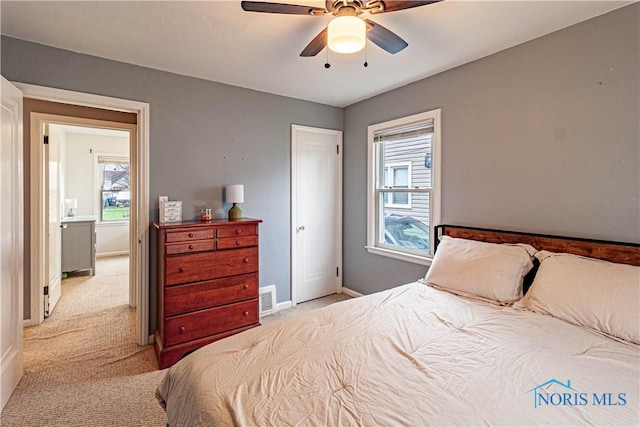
(460, 347)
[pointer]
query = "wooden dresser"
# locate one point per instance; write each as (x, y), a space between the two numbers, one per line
(207, 284)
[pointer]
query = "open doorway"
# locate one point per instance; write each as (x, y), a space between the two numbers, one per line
(80, 159)
(87, 174)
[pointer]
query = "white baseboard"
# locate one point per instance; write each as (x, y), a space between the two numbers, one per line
(26, 323)
(289, 304)
(283, 305)
(151, 339)
(351, 293)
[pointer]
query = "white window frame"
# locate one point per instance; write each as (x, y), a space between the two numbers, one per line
(374, 211)
(390, 167)
(118, 157)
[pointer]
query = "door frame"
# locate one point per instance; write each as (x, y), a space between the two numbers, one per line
(294, 206)
(139, 224)
(40, 123)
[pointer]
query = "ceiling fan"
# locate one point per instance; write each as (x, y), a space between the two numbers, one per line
(347, 32)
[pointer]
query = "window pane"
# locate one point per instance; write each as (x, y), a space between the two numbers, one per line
(401, 177)
(415, 153)
(400, 198)
(406, 228)
(115, 176)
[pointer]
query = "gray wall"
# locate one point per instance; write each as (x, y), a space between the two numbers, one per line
(203, 135)
(542, 137)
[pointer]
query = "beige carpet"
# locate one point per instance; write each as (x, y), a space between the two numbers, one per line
(305, 306)
(83, 367)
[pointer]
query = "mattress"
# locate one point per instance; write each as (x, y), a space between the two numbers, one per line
(412, 355)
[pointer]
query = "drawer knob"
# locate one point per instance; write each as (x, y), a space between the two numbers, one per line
(246, 260)
(182, 329)
(190, 246)
(246, 286)
(246, 313)
(181, 269)
(190, 234)
(238, 231)
(237, 242)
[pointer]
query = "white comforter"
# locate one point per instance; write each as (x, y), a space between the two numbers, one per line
(408, 356)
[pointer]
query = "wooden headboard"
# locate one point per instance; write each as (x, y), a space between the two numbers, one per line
(624, 253)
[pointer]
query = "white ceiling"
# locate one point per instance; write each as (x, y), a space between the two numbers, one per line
(85, 130)
(218, 41)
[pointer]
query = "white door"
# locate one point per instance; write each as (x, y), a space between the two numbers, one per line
(53, 233)
(11, 243)
(316, 212)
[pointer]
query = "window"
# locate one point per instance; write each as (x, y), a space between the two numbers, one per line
(115, 193)
(398, 175)
(403, 187)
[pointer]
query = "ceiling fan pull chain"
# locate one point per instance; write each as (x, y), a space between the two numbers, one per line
(326, 64)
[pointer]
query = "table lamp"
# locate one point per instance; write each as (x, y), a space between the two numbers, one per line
(71, 205)
(235, 194)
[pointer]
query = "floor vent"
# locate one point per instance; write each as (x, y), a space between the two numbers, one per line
(267, 300)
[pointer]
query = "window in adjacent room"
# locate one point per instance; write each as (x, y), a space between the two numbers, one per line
(404, 180)
(115, 193)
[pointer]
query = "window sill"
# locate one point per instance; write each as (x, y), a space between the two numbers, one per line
(416, 259)
(109, 223)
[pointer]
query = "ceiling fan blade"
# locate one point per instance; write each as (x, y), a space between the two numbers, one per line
(393, 5)
(317, 44)
(386, 39)
(291, 9)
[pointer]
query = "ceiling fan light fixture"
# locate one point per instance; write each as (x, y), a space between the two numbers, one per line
(346, 34)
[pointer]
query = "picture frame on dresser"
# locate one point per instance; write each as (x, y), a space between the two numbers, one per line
(207, 284)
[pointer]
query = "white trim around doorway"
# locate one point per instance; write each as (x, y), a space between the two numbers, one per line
(139, 232)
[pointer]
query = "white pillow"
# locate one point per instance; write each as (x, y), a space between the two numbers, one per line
(598, 294)
(494, 272)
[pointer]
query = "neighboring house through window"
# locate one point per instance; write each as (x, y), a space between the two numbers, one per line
(115, 191)
(404, 186)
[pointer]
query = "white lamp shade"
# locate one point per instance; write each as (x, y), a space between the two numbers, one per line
(71, 204)
(235, 193)
(346, 34)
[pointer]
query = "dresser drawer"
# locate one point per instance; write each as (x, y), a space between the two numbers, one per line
(202, 323)
(195, 246)
(190, 234)
(237, 242)
(210, 265)
(238, 230)
(201, 295)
